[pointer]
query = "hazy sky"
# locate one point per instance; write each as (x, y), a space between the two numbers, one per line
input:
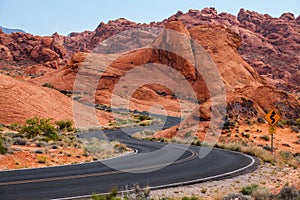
(44, 17)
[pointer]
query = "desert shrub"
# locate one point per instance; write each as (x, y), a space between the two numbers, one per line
(148, 132)
(41, 159)
(247, 135)
(283, 121)
(280, 124)
(262, 194)
(102, 148)
(203, 190)
(137, 193)
(288, 193)
(65, 125)
(294, 129)
(19, 141)
(298, 122)
(14, 127)
(265, 137)
(113, 195)
(181, 140)
(36, 126)
(247, 121)
(235, 197)
(143, 134)
(286, 155)
(76, 98)
(188, 134)
(119, 147)
(3, 150)
(48, 130)
(297, 158)
(146, 123)
(260, 120)
(141, 117)
(190, 198)
(248, 190)
(103, 107)
(48, 85)
(228, 124)
(197, 142)
(291, 122)
(31, 129)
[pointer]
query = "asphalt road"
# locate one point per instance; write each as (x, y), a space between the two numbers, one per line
(151, 165)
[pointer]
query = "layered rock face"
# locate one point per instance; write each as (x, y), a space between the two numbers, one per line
(270, 45)
(26, 48)
(245, 88)
(255, 55)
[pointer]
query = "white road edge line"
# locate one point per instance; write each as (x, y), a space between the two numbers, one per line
(175, 184)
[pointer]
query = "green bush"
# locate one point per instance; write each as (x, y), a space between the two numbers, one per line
(111, 196)
(288, 193)
(48, 129)
(286, 155)
(3, 150)
(137, 193)
(36, 126)
(190, 198)
(31, 129)
(248, 190)
(141, 117)
(295, 129)
(280, 124)
(188, 134)
(265, 137)
(14, 127)
(291, 122)
(261, 120)
(247, 121)
(65, 125)
(298, 122)
(247, 135)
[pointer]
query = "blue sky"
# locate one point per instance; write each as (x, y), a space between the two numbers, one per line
(44, 17)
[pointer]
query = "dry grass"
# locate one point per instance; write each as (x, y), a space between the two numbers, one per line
(258, 152)
(252, 150)
(218, 196)
(146, 133)
(101, 149)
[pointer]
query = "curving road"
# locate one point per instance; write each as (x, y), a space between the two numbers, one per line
(151, 165)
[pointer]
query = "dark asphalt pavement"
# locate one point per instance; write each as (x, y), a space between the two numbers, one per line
(152, 166)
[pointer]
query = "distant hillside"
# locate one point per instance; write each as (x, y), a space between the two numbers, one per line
(9, 30)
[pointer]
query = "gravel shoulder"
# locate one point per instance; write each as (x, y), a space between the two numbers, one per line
(267, 175)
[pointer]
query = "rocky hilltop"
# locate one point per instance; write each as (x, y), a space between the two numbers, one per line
(270, 45)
